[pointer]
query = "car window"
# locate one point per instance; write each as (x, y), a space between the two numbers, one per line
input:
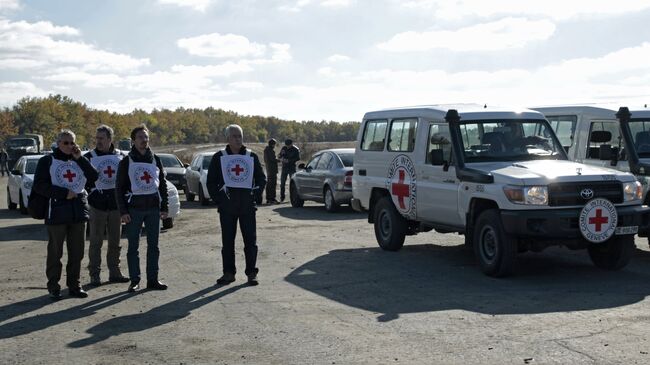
(439, 141)
(347, 159)
(375, 135)
(324, 162)
(206, 162)
(402, 135)
(564, 127)
(31, 166)
(599, 130)
(314, 161)
(169, 161)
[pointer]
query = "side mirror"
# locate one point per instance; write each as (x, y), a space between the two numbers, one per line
(15, 172)
(437, 157)
(301, 166)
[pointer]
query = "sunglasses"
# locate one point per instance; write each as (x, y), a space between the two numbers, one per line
(67, 143)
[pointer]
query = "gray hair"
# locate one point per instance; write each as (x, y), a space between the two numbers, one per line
(106, 129)
(229, 129)
(65, 132)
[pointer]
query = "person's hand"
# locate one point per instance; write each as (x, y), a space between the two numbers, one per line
(71, 195)
(126, 218)
(76, 152)
(164, 215)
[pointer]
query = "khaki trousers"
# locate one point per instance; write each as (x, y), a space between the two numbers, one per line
(104, 222)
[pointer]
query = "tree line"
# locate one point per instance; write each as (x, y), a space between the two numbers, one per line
(48, 115)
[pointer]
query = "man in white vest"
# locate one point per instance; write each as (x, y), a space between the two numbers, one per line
(141, 192)
(61, 176)
(104, 215)
(236, 181)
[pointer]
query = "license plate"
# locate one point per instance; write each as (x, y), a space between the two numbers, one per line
(627, 230)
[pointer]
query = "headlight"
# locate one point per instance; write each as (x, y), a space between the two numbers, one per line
(531, 195)
(632, 191)
(27, 184)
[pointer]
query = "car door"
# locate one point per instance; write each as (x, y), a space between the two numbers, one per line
(592, 154)
(437, 186)
(193, 175)
(15, 181)
(320, 173)
(304, 180)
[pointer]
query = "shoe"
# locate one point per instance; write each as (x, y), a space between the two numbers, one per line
(118, 279)
(133, 287)
(55, 295)
(156, 285)
(252, 280)
(95, 280)
(226, 279)
(77, 293)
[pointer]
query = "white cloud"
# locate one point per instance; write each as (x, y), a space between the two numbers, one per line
(555, 9)
(337, 58)
(198, 5)
(20, 63)
(501, 34)
(36, 42)
(247, 85)
(9, 5)
(10, 92)
(221, 46)
(297, 5)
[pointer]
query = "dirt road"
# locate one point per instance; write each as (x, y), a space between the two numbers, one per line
(327, 295)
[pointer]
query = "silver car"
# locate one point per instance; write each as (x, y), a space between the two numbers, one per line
(326, 178)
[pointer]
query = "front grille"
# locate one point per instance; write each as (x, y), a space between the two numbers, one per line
(567, 194)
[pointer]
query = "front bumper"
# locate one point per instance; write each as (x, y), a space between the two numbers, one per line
(563, 223)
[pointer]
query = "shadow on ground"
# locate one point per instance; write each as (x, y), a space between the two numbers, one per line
(318, 212)
(427, 278)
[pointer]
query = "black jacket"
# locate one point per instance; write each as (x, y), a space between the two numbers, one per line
(62, 210)
(270, 160)
(291, 153)
(238, 200)
(104, 199)
(123, 185)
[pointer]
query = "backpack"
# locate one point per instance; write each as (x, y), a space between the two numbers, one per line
(38, 205)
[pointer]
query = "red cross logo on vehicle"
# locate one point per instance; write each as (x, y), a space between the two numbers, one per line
(598, 220)
(69, 175)
(400, 189)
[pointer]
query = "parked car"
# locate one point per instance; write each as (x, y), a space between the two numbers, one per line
(175, 170)
(20, 182)
(174, 205)
(197, 176)
(326, 178)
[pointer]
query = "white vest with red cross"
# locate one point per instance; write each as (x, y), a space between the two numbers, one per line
(67, 174)
(106, 167)
(237, 170)
(144, 177)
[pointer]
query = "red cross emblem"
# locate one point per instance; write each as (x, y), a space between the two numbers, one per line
(237, 170)
(109, 171)
(401, 190)
(69, 175)
(146, 177)
(598, 220)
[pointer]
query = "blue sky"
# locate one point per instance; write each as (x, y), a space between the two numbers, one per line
(325, 59)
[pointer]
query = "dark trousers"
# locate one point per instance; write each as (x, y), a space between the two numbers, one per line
(283, 179)
(229, 232)
(271, 183)
(151, 220)
(73, 234)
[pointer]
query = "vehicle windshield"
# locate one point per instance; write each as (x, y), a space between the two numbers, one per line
(347, 159)
(640, 130)
(30, 168)
(509, 140)
(169, 161)
(21, 142)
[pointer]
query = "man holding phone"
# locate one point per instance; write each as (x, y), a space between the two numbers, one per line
(61, 176)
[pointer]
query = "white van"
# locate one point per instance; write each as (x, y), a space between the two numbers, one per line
(500, 177)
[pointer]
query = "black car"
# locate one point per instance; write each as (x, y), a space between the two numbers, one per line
(174, 169)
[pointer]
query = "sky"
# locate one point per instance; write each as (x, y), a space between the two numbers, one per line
(325, 59)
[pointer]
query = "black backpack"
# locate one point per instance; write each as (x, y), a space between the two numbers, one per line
(38, 205)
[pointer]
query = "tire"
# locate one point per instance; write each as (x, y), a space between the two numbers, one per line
(202, 198)
(167, 223)
(330, 203)
(21, 203)
(10, 205)
(294, 198)
(614, 254)
(188, 196)
(390, 226)
(495, 250)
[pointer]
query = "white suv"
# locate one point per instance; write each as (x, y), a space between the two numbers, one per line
(20, 182)
(500, 177)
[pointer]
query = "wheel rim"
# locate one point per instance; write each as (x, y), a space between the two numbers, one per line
(384, 224)
(329, 199)
(488, 243)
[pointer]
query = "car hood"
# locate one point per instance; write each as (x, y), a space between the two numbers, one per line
(542, 172)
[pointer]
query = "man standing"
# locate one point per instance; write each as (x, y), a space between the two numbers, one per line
(104, 215)
(290, 154)
(3, 162)
(271, 163)
(141, 192)
(62, 176)
(235, 181)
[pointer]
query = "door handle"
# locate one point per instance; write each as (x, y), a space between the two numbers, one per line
(362, 172)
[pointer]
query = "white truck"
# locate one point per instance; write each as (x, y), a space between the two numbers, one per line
(500, 177)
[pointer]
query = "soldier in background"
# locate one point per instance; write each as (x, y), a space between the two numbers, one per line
(289, 155)
(271, 163)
